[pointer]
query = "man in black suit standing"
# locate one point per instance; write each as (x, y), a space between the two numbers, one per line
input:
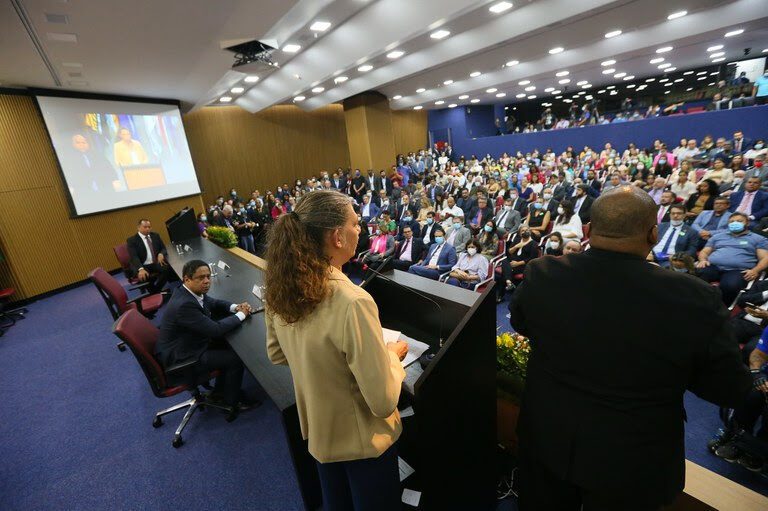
(384, 183)
(88, 171)
(148, 256)
(190, 330)
(602, 411)
(410, 251)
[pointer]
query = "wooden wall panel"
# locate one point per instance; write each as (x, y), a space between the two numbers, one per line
(234, 148)
(44, 248)
(409, 128)
(369, 131)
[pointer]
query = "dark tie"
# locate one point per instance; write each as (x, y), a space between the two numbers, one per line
(151, 248)
(405, 247)
(665, 248)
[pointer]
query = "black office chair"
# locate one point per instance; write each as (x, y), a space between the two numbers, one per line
(8, 317)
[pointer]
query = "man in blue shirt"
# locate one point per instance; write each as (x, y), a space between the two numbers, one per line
(712, 221)
(733, 257)
(760, 90)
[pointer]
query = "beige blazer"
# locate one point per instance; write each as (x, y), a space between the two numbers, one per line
(123, 155)
(347, 383)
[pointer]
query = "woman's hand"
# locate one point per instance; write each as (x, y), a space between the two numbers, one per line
(400, 348)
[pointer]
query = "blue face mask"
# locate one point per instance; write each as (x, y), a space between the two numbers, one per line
(407, 218)
(662, 161)
(439, 240)
(456, 225)
(537, 205)
(203, 218)
(234, 193)
(429, 221)
(487, 228)
(378, 232)
(758, 146)
(242, 210)
(681, 270)
(735, 226)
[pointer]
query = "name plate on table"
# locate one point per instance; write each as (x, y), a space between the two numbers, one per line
(222, 265)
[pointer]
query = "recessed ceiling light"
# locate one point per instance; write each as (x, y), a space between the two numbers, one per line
(586, 86)
(512, 63)
(611, 87)
(251, 79)
(678, 14)
(664, 49)
(664, 80)
(549, 89)
(501, 94)
(464, 96)
(439, 34)
(765, 50)
(365, 68)
(556, 91)
(582, 82)
(418, 107)
(701, 78)
(657, 60)
(491, 90)
(420, 90)
(609, 71)
(608, 63)
(612, 33)
(678, 80)
(558, 97)
(688, 73)
(734, 32)
(475, 100)
(532, 96)
(236, 90)
(395, 54)
(299, 98)
(564, 81)
(557, 50)
(500, 7)
(447, 82)
(291, 48)
(670, 69)
(439, 102)
(530, 88)
(452, 105)
(613, 92)
(62, 37)
(473, 74)
(718, 54)
(320, 26)
(521, 95)
(710, 84)
(523, 82)
(562, 73)
(601, 91)
(650, 80)
(667, 92)
(398, 96)
(714, 73)
(718, 60)
(715, 48)
(663, 66)
(318, 90)
(620, 75)
(340, 79)
(225, 99)
(701, 73)
(627, 78)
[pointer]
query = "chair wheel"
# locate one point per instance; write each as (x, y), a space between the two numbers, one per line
(177, 441)
(157, 422)
(232, 415)
(121, 347)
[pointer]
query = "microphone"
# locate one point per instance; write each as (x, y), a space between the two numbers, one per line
(422, 295)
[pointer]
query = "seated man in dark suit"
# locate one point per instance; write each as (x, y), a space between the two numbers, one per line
(752, 201)
(440, 258)
(480, 215)
(410, 251)
(189, 331)
(674, 237)
(148, 256)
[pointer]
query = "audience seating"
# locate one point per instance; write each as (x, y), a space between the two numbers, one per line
(124, 258)
(116, 298)
(141, 336)
(8, 318)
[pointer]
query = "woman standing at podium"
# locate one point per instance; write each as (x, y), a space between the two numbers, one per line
(327, 330)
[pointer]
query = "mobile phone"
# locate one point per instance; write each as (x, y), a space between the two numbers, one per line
(748, 304)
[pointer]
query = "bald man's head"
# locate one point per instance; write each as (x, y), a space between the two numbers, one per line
(623, 212)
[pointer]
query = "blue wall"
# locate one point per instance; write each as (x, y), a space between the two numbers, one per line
(479, 121)
(752, 120)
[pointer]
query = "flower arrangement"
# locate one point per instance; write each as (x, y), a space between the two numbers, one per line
(512, 352)
(222, 236)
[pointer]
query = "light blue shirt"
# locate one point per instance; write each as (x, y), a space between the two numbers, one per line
(474, 265)
(762, 86)
(735, 252)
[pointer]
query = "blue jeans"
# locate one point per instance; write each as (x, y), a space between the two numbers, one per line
(731, 281)
(246, 243)
(465, 284)
(423, 271)
(371, 484)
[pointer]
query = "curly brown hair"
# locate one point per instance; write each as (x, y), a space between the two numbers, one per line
(297, 267)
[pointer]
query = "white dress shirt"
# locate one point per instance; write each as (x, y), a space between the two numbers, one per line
(200, 298)
(147, 244)
(436, 255)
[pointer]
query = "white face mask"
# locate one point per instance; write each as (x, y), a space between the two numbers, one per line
(560, 210)
(676, 223)
(471, 251)
(554, 245)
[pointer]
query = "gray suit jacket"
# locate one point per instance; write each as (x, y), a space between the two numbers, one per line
(511, 222)
(462, 238)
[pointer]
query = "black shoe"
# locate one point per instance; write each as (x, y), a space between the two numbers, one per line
(729, 452)
(248, 404)
(751, 462)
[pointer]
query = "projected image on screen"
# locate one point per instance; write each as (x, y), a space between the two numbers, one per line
(115, 154)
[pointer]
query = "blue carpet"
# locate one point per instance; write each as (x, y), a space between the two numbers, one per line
(76, 428)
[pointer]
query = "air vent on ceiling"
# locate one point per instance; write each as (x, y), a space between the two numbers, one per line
(56, 18)
(78, 83)
(75, 74)
(61, 37)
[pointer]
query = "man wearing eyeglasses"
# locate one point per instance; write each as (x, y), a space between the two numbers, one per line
(193, 328)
